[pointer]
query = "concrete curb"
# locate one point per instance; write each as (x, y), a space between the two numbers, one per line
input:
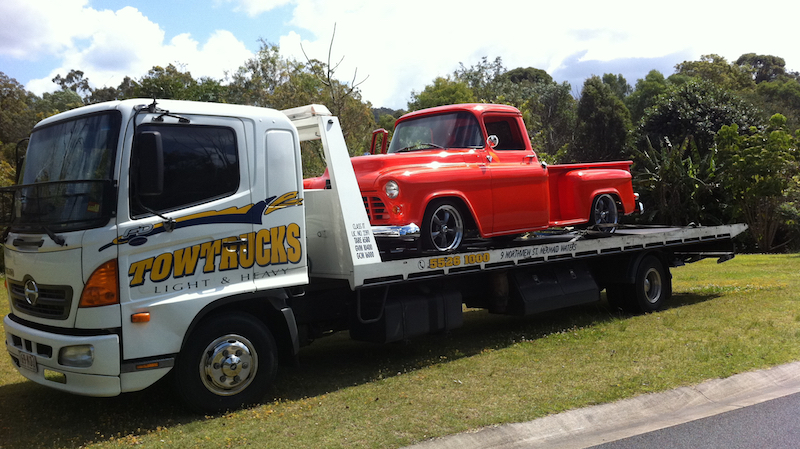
(600, 424)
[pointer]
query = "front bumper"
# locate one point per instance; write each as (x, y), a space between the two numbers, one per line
(406, 233)
(102, 378)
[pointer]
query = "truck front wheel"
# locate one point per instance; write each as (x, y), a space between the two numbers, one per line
(228, 362)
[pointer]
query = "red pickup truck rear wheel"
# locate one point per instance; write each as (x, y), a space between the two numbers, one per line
(604, 213)
(443, 226)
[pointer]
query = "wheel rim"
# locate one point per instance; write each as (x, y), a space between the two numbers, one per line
(653, 286)
(605, 212)
(447, 228)
(228, 365)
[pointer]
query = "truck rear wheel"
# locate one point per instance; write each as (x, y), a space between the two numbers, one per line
(651, 290)
(653, 286)
(228, 362)
(443, 226)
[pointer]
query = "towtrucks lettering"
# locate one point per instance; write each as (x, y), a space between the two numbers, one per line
(267, 247)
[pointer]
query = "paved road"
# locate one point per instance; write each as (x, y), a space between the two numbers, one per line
(773, 424)
(761, 408)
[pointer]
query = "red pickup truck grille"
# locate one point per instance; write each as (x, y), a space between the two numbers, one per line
(376, 210)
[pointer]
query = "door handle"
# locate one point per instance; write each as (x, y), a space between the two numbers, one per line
(234, 244)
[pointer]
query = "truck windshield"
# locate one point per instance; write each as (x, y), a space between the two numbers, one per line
(67, 177)
(450, 130)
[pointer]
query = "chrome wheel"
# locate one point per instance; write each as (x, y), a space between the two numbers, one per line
(652, 286)
(445, 227)
(604, 213)
(228, 361)
(229, 365)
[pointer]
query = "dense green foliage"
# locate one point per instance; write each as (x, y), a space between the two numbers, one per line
(703, 145)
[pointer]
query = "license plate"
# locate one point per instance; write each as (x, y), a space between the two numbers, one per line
(28, 361)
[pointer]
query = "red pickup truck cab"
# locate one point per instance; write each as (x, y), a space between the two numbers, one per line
(470, 167)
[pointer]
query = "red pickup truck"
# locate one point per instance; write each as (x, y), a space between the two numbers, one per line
(470, 167)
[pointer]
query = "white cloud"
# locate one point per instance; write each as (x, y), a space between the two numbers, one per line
(255, 7)
(115, 44)
(28, 28)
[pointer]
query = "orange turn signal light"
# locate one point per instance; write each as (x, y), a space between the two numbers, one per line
(102, 289)
(142, 317)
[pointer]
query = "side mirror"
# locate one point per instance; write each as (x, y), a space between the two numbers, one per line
(492, 141)
(147, 164)
(384, 135)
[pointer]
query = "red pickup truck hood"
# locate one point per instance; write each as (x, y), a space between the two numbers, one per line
(369, 168)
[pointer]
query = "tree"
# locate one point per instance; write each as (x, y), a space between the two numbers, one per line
(762, 67)
(603, 125)
(207, 89)
(694, 111)
(58, 101)
(17, 117)
(167, 83)
(645, 93)
(550, 114)
(760, 168)
(529, 75)
(75, 82)
(618, 84)
(482, 78)
(781, 95)
(717, 70)
(443, 91)
(255, 81)
(126, 89)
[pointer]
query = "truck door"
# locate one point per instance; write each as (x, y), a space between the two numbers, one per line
(520, 194)
(280, 232)
(181, 249)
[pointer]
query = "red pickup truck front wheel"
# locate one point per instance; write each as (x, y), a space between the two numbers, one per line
(443, 226)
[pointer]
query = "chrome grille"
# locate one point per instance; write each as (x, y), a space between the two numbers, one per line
(53, 301)
(376, 210)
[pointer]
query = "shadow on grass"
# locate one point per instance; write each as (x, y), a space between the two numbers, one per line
(35, 416)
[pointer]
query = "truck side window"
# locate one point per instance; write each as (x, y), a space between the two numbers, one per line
(507, 132)
(200, 164)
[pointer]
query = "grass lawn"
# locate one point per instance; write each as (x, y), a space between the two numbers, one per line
(724, 319)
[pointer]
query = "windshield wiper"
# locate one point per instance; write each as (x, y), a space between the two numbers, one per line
(419, 146)
(56, 238)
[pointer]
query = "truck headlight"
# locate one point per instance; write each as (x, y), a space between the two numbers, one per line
(392, 189)
(80, 356)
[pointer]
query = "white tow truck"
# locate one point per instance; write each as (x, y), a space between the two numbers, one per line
(148, 237)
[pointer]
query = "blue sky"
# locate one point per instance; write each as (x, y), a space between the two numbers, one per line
(399, 47)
